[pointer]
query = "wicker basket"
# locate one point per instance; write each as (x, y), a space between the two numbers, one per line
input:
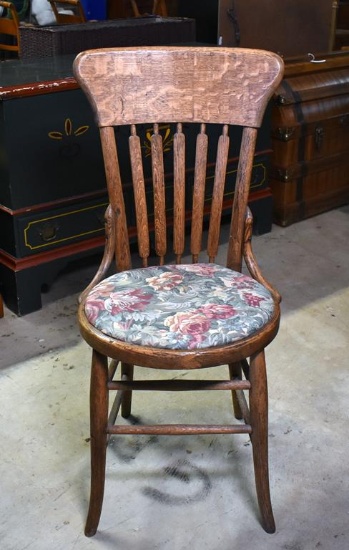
(72, 39)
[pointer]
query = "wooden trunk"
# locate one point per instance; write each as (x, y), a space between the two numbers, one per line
(310, 138)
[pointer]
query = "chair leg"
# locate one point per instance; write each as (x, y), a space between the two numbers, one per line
(135, 8)
(126, 374)
(1, 307)
(235, 372)
(160, 8)
(98, 422)
(259, 437)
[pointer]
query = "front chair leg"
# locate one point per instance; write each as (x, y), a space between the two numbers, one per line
(259, 437)
(98, 423)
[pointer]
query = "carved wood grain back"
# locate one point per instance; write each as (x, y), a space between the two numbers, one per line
(178, 85)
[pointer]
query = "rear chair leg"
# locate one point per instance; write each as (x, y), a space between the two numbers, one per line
(259, 437)
(98, 423)
(126, 374)
(235, 372)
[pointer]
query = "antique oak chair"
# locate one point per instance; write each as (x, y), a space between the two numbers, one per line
(159, 8)
(9, 26)
(173, 315)
(77, 14)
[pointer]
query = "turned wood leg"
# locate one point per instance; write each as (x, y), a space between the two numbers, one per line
(160, 8)
(135, 8)
(235, 372)
(126, 374)
(259, 437)
(98, 422)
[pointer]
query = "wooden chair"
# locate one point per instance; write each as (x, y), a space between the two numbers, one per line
(75, 6)
(9, 27)
(178, 316)
(135, 9)
(159, 8)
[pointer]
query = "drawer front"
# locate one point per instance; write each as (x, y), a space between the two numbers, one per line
(61, 227)
(191, 132)
(259, 181)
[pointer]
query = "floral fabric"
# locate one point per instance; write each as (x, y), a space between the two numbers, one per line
(179, 306)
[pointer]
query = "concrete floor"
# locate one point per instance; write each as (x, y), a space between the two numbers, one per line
(186, 492)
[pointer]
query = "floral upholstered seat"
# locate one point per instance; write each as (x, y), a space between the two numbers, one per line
(179, 306)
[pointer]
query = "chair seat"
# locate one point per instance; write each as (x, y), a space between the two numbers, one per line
(190, 306)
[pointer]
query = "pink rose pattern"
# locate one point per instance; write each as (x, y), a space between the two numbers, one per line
(179, 306)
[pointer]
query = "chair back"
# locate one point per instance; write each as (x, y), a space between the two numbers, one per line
(9, 27)
(76, 15)
(167, 90)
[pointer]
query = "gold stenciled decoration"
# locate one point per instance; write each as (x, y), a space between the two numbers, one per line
(167, 140)
(69, 147)
(68, 130)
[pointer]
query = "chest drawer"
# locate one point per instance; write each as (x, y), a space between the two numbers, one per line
(32, 233)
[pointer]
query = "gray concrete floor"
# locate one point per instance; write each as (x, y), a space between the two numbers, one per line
(186, 492)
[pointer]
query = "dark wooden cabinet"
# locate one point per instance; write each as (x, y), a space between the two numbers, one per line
(213, 22)
(289, 27)
(341, 33)
(52, 184)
